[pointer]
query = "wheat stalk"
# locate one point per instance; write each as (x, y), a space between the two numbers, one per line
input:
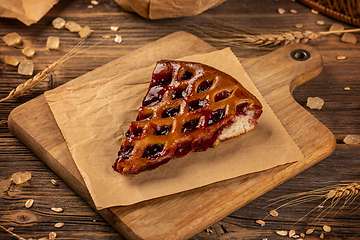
(30, 83)
(13, 234)
(240, 37)
(348, 191)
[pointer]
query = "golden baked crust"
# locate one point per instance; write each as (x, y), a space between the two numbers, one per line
(188, 107)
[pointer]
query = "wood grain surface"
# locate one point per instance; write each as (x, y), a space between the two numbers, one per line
(340, 114)
(273, 75)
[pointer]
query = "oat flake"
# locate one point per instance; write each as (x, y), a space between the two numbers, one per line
(327, 228)
(260, 222)
(282, 233)
(29, 203)
(57, 209)
(274, 213)
(309, 231)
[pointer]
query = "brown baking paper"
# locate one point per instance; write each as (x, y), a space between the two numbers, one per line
(160, 9)
(27, 11)
(93, 116)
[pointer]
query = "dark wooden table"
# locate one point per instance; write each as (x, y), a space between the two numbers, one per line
(340, 113)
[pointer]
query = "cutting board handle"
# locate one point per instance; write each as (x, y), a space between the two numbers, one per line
(287, 67)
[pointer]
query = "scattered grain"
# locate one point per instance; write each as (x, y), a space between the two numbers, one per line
(57, 209)
(341, 57)
(291, 233)
(315, 103)
(302, 235)
(352, 139)
(349, 38)
(58, 23)
(28, 51)
(274, 213)
(94, 2)
(118, 38)
(106, 36)
(54, 182)
(282, 233)
(294, 11)
(29, 203)
(336, 27)
(90, 6)
(347, 88)
(72, 26)
(59, 225)
(114, 28)
(12, 39)
(52, 235)
(320, 22)
(309, 231)
(281, 10)
(298, 25)
(20, 177)
(295, 236)
(322, 236)
(53, 43)
(314, 11)
(326, 228)
(11, 60)
(85, 31)
(260, 222)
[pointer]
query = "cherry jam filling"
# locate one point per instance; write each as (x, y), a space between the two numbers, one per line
(241, 109)
(187, 75)
(154, 95)
(204, 86)
(190, 125)
(162, 130)
(179, 93)
(196, 104)
(221, 95)
(163, 78)
(153, 151)
(143, 117)
(183, 149)
(125, 152)
(216, 116)
(170, 112)
(134, 131)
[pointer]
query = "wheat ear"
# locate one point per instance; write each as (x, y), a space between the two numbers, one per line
(349, 191)
(29, 84)
(233, 37)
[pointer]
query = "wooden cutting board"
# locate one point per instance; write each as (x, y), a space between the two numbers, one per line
(183, 215)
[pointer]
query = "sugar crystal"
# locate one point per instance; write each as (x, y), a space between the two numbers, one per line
(349, 38)
(315, 103)
(352, 139)
(11, 60)
(336, 27)
(58, 23)
(72, 26)
(52, 43)
(12, 39)
(26, 68)
(84, 31)
(28, 51)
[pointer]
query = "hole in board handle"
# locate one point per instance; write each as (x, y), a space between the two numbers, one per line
(300, 55)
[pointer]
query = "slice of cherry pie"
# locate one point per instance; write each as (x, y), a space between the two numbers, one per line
(188, 107)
